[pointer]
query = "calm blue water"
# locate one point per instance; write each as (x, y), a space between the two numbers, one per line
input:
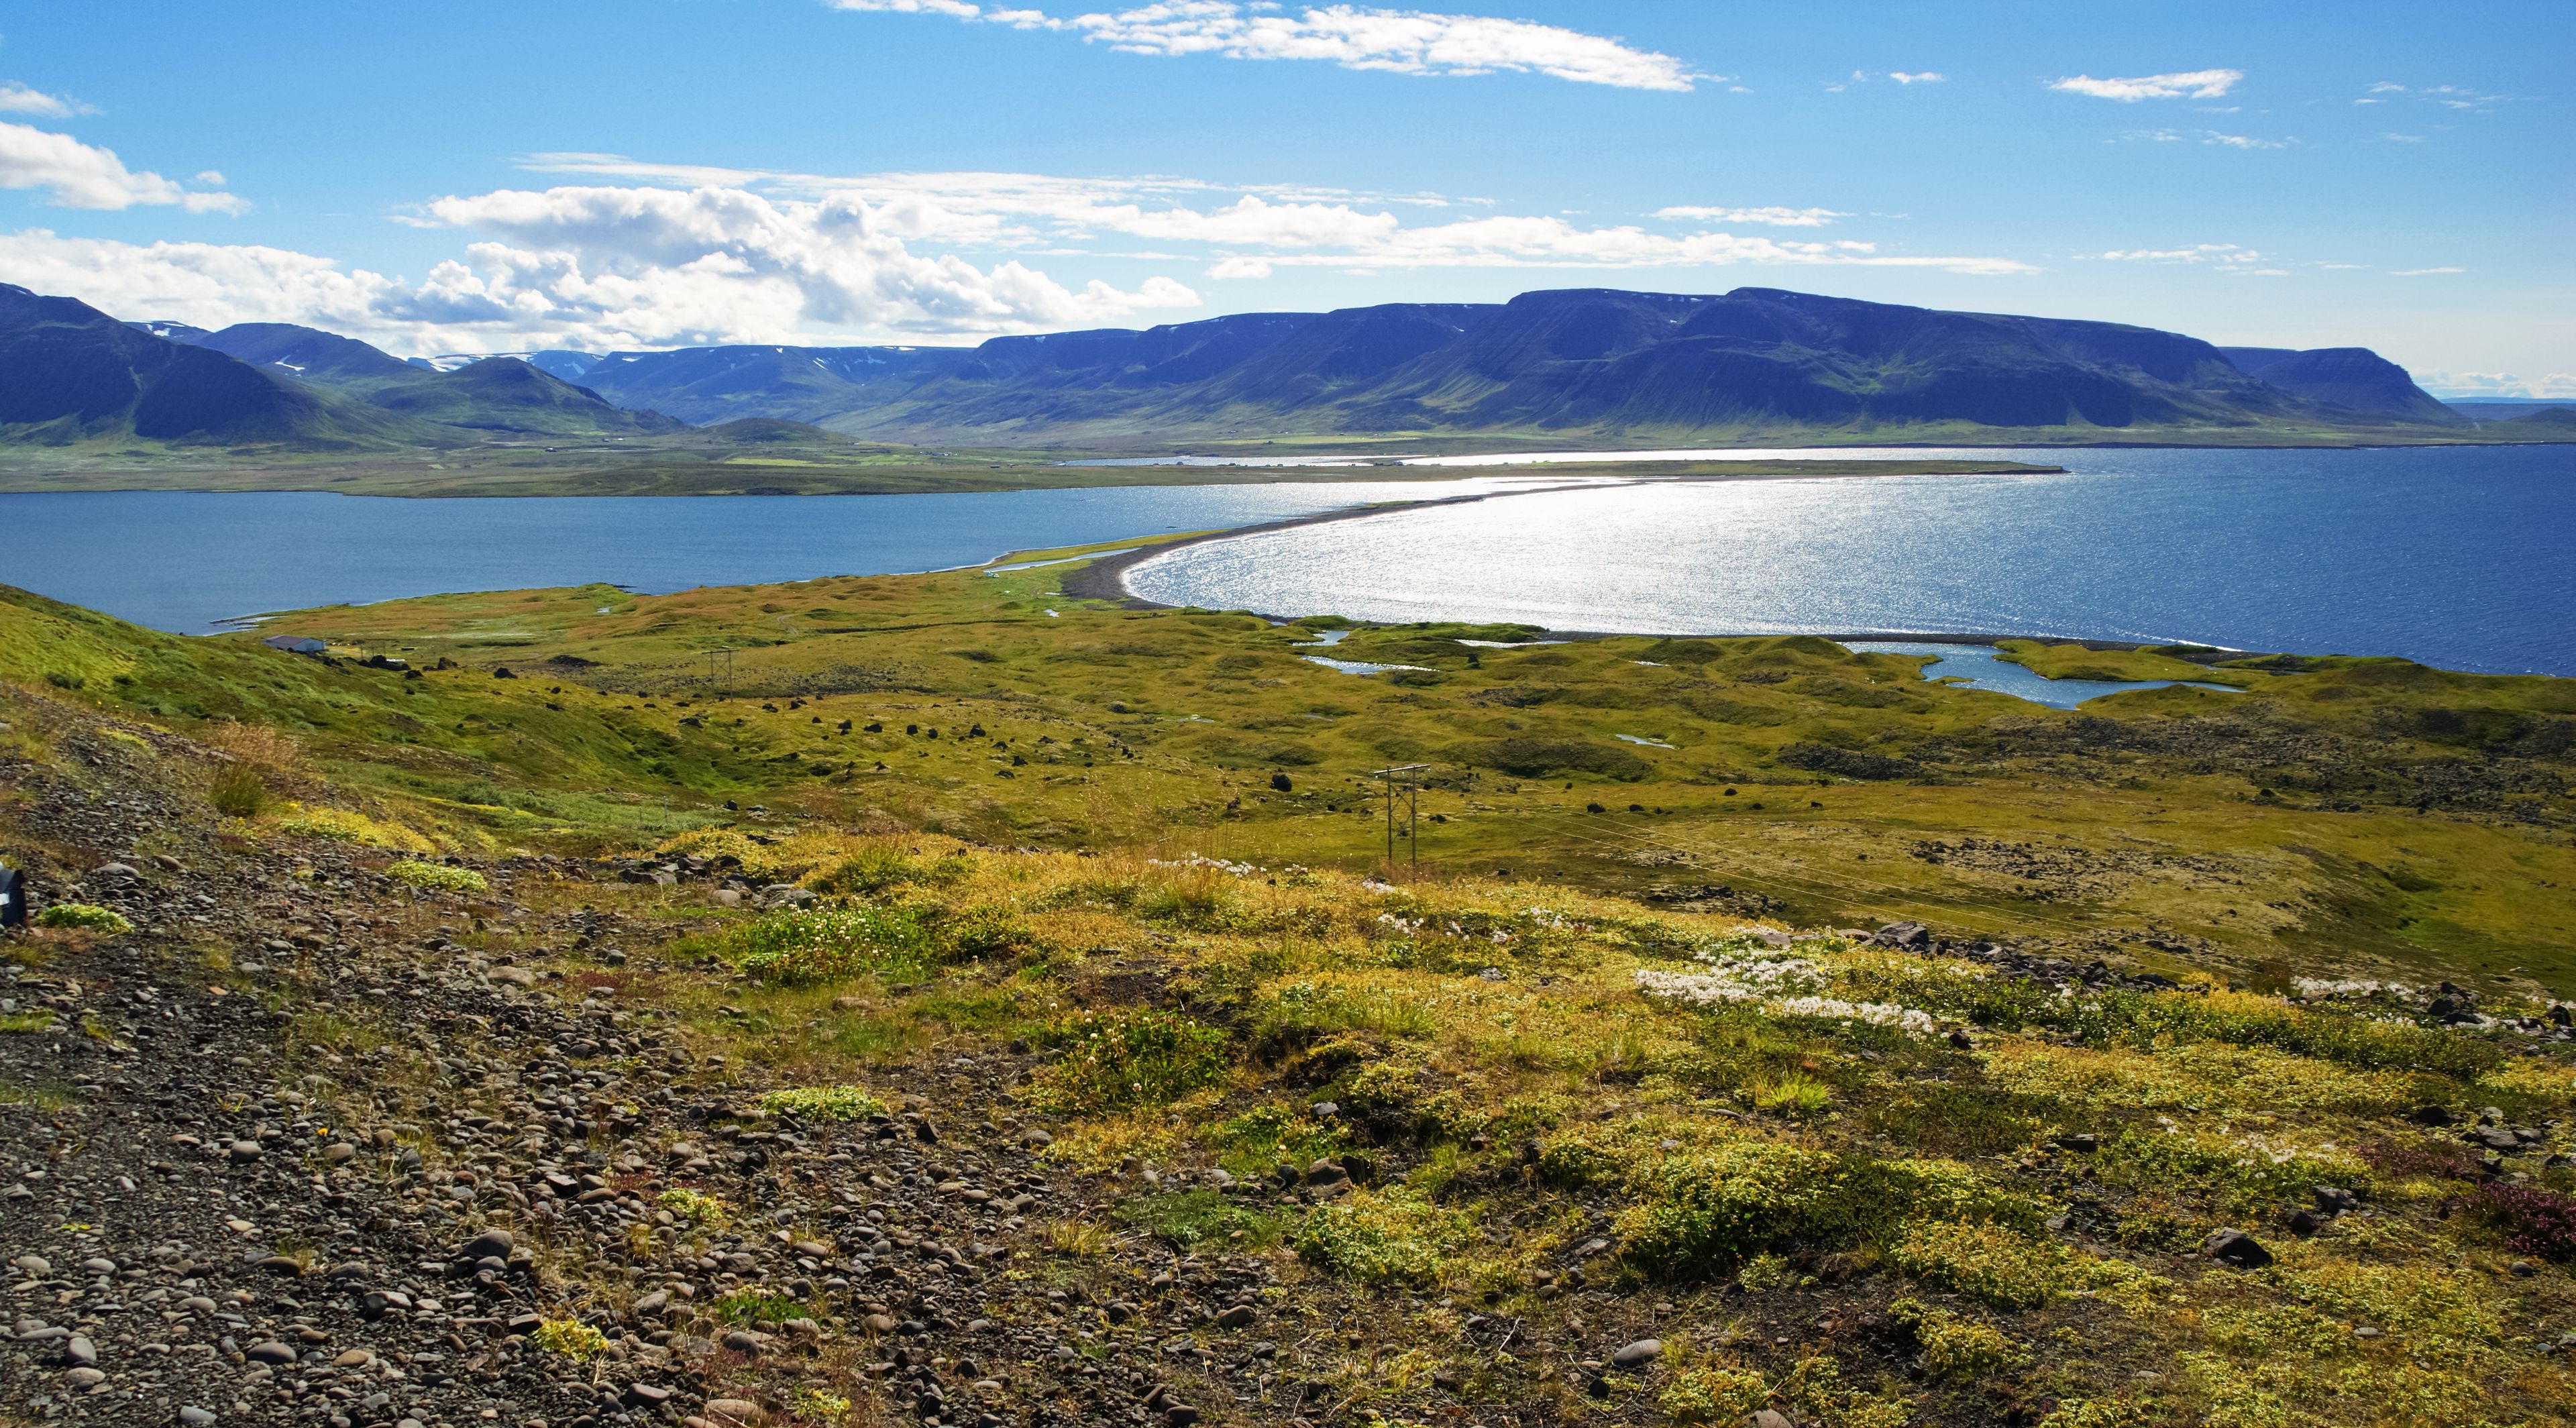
(2462, 557)
(185, 560)
(1977, 667)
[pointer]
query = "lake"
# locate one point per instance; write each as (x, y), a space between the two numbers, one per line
(189, 560)
(2463, 557)
(2458, 556)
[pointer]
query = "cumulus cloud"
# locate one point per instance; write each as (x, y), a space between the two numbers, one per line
(1773, 217)
(714, 255)
(2192, 84)
(16, 98)
(1354, 37)
(2556, 385)
(2221, 254)
(208, 284)
(1923, 77)
(84, 176)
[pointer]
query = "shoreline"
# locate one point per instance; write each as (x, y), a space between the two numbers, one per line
(1105, 578)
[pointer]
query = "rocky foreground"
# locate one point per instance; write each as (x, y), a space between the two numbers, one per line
(298, 1155)
(298, 1130)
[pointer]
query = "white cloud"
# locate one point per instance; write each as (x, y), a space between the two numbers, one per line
(208, 284)
(1773, 217)
(2232, 256)
(1924, 77)
(16, 98)
(2446, 96)
(1287, 227)
(595, 268)
(1354, 37)
(2240, 141)
(84, 176)
(2192, 84)
(2422, 272)
(722, 255)
(1551, 242)
(648, 266)
(2556, 385)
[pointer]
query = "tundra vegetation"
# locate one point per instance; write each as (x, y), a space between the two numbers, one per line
(2227, 1084)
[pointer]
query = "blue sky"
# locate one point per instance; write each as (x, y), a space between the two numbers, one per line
(631, 173)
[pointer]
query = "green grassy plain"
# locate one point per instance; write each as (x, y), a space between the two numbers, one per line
(2341, 814)
(1143, 847)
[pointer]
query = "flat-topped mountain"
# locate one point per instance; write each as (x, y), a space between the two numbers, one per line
(1590, 361)
(1755, 365)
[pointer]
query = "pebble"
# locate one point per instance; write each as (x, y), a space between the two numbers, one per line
(1643, 1351)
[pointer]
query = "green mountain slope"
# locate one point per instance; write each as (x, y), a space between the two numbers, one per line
(71, 374)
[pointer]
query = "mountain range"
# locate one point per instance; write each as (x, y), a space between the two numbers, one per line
(71, 374)
(1594, 364)
(1587, 361)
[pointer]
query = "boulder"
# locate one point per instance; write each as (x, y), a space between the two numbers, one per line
(2237, 1248)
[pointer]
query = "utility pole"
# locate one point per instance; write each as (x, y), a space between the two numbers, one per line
(1412, 811)
(727, 652)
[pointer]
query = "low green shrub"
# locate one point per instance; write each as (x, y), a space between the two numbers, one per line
(693, 1206)
(823, 1103)
(1382, 1238)
(1126, 1060)
(1269, 1135)
(753, 1304)
(870, 871)
(438, 877)
(1715, 1395)
(239, 792)
(1698, 1209)
(569, 1337)
(1193, 1218)
(1955, 1346)
(802, 947)
(1995, 1264)
(82, 915)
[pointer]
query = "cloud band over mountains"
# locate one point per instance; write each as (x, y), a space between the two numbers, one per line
(685, 255)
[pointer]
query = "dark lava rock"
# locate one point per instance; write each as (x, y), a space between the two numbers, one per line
(2237, 1248)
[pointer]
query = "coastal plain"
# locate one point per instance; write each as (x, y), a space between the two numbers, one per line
(979, 997)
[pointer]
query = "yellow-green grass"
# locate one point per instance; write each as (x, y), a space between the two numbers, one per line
(1502, 1119)
(2338, 815)
(2077, 661)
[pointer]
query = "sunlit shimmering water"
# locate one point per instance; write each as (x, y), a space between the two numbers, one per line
(2463, 557)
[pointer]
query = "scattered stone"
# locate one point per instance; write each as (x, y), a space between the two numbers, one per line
(2237, 1248)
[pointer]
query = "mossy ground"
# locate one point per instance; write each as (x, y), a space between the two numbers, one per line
(1814, 1198)
(2338, 814)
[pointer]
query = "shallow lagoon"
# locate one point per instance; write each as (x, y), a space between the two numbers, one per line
(1977, 667)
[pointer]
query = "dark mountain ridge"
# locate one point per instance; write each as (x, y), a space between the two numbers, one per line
(1595, 361)
(2354, 378)
(69, 373)
(1598, 364)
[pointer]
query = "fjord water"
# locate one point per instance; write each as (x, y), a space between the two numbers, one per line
(2461, 557)
(190, 560)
